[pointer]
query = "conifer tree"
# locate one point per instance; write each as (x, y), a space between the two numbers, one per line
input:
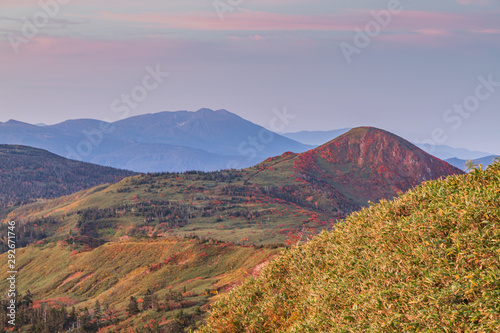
(133, 306)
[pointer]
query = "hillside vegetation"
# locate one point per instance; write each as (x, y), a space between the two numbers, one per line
(183, 238)
(214, 205)
(28, 174)
(172, 281)
(283, 199)
(427, 262)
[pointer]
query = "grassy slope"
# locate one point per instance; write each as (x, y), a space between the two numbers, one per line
(427, 262)
(67, 274)
(273, 202)
(271, 219)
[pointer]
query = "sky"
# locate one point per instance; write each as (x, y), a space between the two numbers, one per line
(427, 70)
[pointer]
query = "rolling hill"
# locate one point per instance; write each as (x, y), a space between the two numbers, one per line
(427, 262)
(167, 141)
(369, 164)
(269, 203)
(115, 236)
(28, 174)
(173, 280)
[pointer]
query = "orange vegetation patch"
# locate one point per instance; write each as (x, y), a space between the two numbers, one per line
(84, 279)
(257, 269)
(191, 280)
(73, 276)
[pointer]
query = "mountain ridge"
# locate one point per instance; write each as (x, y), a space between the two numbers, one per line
(324, 184)
(462, 164)
(207, 140)
(389, 162)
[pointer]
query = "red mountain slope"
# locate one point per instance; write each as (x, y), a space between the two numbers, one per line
(369, 164)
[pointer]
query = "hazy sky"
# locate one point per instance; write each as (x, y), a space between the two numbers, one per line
(426, 69)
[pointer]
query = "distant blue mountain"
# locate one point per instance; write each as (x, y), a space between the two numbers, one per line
(462, 164)
(446, 152)
(167, 141)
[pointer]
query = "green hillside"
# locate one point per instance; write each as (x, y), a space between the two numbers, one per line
(282, 200)
(427, 262)
(214, 205)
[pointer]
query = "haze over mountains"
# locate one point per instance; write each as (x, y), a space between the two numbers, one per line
(167, 141)
(316, 138)
(446, 152)
(483, 162)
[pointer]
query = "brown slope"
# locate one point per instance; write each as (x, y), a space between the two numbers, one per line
(369, 164)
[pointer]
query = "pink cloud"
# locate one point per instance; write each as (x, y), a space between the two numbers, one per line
(430, 23)
(244, 24)
(434, 21)
(243, 20)
(433, 32)
(475, 2)
(63, 52)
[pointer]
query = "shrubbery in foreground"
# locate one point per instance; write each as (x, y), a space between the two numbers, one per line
(427, 262)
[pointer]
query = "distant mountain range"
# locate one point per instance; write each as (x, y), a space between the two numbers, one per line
(446, 152)
(204, 140)
(27, 174)
(462, 164)
(167, 141)
(443, 152)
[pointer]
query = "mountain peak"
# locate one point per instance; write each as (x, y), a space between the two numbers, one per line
(205, 111)
(13, 122)
(366, 130)
(371, 144)
(220, 114)
(371, 162)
